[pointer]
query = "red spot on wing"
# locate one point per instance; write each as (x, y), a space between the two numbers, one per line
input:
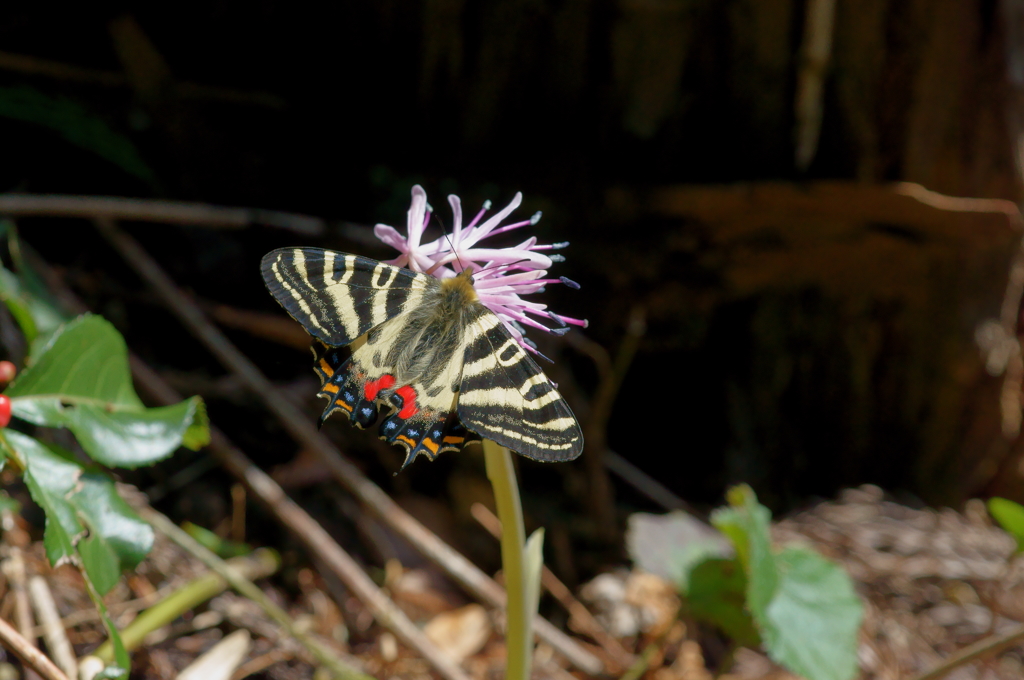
(409, 408)
(373, 387)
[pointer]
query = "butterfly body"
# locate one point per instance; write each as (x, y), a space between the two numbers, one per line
(425, 350)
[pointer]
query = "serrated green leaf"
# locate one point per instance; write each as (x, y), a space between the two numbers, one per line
(812, 622)
(100, 562)
(747, 524)
(86, 362)
(717, 594)
(50, 478)
(131, 438)
(1010, 516)
(118, 538)
(81, 380)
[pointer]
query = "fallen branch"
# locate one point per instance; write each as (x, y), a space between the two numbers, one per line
(979, 650)
(53, 629)
(29, 655)
(147, 210)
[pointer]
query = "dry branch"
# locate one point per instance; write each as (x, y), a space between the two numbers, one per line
(53, 628)
(148, 210)
(30, 656)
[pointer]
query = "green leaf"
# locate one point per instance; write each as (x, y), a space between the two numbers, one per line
(717, 594)
(671, 545)
(803, 606)
(81, 381)
(811, 624)
(132, 438)
(197, 435)
(76, 500)
(122, 662)
(747, 523)
(100, 561)
(76, 125)
(533, 565)
(85, 362)
(30, 304)
(1010, 516)
(50, 478)
(118, 539)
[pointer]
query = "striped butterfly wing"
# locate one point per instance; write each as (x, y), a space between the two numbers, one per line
(336, 296)
(506, 397)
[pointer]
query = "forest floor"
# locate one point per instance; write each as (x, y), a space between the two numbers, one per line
(934, 582)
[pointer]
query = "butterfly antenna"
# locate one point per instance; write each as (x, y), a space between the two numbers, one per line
(444, 231)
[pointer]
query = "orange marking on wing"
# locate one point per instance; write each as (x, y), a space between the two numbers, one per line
(431, 446)
(326, 368)
(330, 387)
(405, 439)
(454, 440)
(343, 405)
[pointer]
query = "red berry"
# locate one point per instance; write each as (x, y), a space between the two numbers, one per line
(7, 371)
(5, 410)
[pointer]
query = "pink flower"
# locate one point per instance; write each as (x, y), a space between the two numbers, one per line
(500, 275)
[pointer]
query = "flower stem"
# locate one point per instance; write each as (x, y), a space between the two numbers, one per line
(522, 595)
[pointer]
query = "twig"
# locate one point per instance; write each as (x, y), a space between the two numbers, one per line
(246, 587)
(53, 628)
(600, 496)
(260, 663)
(644, 483)
(14, 569)
(579, 615)
(28, 654)
(145, 210)
(819, 19)
(979, 650)
(301, 428)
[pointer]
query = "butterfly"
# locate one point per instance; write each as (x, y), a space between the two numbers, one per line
(425, 352)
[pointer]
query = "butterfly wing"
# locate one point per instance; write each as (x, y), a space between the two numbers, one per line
(506, 397)
(336, 296)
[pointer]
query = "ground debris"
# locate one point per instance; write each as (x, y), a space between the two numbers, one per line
(934, 580)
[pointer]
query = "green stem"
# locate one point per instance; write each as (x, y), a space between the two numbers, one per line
(518, 610)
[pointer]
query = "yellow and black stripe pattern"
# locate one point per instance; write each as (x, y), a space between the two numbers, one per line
(436, 359)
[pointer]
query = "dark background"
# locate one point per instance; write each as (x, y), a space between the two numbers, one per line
(809, 325)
